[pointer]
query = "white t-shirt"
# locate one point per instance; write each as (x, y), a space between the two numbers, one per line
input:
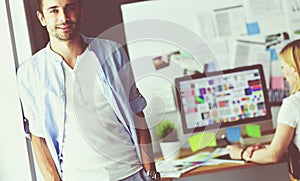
(289, 114)
(80, 160)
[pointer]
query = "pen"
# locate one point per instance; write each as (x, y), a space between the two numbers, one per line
(196, 163)
(231, 161)
(187, 165)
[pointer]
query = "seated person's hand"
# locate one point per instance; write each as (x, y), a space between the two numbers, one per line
(234, 151)
(250, 150)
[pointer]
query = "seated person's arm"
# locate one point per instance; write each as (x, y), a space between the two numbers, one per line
(270, 154)
(44, 159)
(277, 148)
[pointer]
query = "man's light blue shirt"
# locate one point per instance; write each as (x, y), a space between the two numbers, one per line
(42, 93)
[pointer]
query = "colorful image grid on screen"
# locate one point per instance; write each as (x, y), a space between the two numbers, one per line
(223, 98)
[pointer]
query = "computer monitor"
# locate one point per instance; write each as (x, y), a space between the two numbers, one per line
(220, 99)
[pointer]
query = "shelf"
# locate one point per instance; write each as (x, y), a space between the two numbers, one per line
(273, 104)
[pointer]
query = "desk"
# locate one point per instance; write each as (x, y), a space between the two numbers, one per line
(215, 169)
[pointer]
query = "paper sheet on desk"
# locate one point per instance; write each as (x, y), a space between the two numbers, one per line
(170, 169)
(174, 168)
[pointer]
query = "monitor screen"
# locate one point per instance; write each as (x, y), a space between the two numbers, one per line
(225, 98)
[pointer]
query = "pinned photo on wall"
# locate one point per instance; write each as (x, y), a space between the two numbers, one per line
(276, 39)
(274, 42)
(163, 60)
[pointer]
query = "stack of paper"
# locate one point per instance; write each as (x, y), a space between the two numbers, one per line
(174, 168)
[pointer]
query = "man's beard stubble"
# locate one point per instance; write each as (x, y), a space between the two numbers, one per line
(69, 35)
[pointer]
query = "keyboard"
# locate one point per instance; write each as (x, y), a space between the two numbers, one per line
(251, 141)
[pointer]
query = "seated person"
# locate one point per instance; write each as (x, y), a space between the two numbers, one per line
(288, 117)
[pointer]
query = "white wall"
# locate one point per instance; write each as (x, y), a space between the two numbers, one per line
(14, 161)
(20, 30)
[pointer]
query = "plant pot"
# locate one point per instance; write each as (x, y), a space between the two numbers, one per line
(170, 150)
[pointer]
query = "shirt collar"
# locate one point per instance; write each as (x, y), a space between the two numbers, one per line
(52, 54)
(56, 56)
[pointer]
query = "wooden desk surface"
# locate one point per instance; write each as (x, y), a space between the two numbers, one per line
(215, 168)
(210, 169)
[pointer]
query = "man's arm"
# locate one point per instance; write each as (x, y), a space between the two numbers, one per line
(144, 139)
(44, 159)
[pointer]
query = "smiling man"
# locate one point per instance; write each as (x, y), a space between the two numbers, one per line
(84, 110)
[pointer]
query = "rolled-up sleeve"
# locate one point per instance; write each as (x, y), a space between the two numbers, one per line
(137, 101)
(30, 108)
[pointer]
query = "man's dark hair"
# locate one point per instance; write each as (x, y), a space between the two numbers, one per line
(40, 5)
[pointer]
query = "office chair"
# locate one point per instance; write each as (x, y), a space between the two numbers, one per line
(293, 162)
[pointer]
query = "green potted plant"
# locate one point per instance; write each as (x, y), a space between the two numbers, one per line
(167, 131)
(170, 145)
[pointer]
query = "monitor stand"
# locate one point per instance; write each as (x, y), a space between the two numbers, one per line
(266, 130)
(264, 139)
(265, 127)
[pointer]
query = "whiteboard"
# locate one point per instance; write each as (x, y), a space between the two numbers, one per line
(156, 28)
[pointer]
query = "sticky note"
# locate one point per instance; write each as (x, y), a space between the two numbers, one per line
(202, 140)
(185, 54)
(253, 28)
(253, 130)
(233, 134)
(277, 82)
(297, 32)
(273, 55)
